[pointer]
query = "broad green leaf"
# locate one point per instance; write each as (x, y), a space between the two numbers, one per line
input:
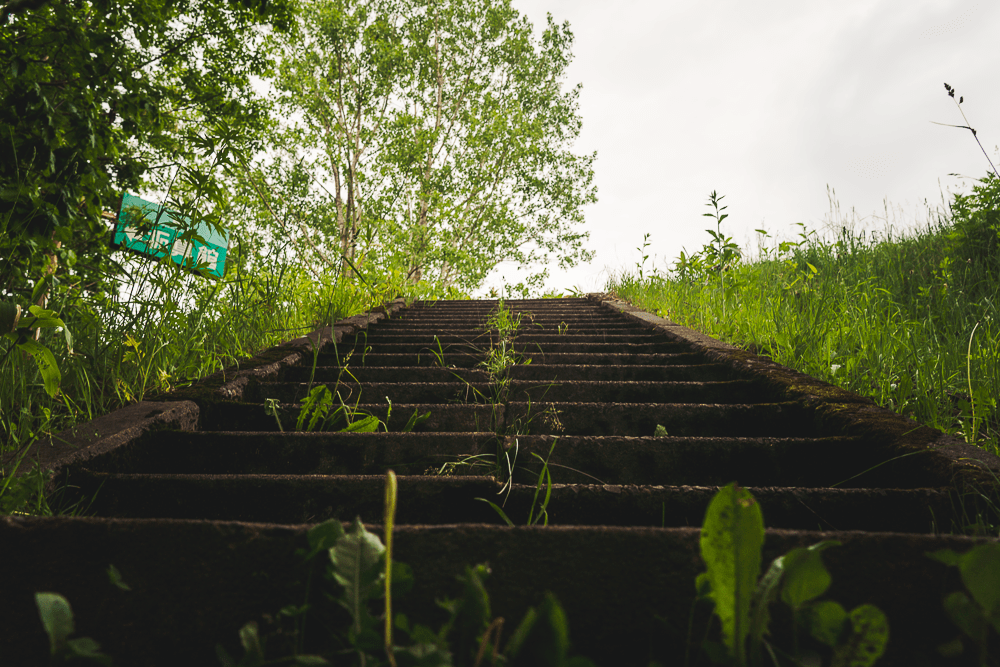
(10, 313)
(966, 616)
(825, 620)
(980, 568)
(542, 638)
(946, 556)
(806, 578)
(765, 593)
(41, 288)
(356, 558)
(250, 640)
(115, 577)
(867, 641)
(367, 425)
(45, 319)
(415, 420)
(85, 647)
(57, 619)
(46, 365)
(731, 540)
(324, 536)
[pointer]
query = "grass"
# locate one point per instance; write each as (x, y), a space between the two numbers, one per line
(161, 329)
(909, 320)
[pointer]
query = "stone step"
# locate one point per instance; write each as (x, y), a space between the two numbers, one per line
(202, 496)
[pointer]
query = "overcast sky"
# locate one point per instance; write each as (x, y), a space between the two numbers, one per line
(767, 102)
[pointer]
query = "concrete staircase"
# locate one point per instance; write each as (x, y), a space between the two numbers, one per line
(200, 499)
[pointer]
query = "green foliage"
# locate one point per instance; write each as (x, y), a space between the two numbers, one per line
(732, 538)
(23, 333)
(869, 312)
(544, 480)
(363, 571)
(716, 257)
(96, 95)
(450, 149)
(316, 415)
(57, 619)
(975, 615)
(972, 250)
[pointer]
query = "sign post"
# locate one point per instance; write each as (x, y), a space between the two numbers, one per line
(148, 229)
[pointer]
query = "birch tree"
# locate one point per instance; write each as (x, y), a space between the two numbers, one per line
(445, 132)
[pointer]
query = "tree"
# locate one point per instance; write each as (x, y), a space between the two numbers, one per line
(442, 133)
(100, 97)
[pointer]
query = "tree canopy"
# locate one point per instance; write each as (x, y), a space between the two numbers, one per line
(99, 97)
(439, 135)
(431, 138)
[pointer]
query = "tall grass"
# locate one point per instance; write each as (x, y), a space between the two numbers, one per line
(161, 329)
(908, 320)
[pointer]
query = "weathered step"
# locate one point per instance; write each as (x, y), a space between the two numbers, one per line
(453, 500)
(386, 374)
(531, 372)
(300, 453)
(605, 323)
(786, 419)
(231, 416)
(471, 357)
(481, 347)
(203, 580)
(680, 372)
(835, 461)
(731, 391)
(831, 461)
(377, 336)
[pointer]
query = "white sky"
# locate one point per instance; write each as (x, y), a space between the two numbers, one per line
(767, 102)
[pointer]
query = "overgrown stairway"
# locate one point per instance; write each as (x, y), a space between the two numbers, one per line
(201, 499)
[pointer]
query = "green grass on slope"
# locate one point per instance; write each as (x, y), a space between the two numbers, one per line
(165, 329)
(910, 322)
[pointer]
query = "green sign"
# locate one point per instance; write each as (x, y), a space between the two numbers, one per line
(148, 229)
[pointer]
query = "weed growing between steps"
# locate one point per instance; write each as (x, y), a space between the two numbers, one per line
(319, 414)
(361, 571)
(500, 357)
(732, 538)
(544, 480)
(357, 576)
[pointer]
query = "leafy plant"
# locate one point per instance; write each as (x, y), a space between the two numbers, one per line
(544, 479)
(732, 538)
(976, 610)
(57, 619)
(877, 316)
(24, 332)
(364, 571)
(722, 253)
(716, 257)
